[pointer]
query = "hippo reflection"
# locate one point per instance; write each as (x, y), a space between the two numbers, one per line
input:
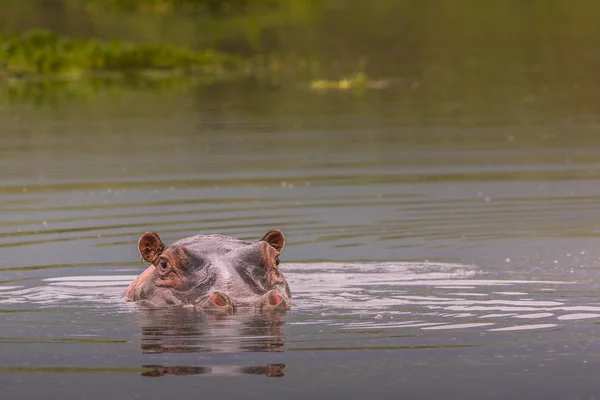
(269, 370)
(212, 272)
(182, 330)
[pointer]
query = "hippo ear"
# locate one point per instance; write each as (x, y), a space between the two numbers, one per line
(275, 238)
(150, 246)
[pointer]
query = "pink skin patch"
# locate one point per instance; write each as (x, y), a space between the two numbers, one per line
(275, 299)
(218, 300)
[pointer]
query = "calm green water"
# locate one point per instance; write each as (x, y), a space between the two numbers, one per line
(442, 232)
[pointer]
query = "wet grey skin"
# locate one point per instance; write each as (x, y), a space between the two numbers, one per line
(212, 272)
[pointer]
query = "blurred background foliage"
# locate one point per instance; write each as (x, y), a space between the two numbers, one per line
(462, 51)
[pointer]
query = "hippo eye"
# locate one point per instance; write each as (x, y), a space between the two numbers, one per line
(163, 265)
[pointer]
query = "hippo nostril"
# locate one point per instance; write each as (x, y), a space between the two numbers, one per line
(275, 299)
(218, 299)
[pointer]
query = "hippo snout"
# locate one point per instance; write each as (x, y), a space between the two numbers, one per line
(272, 300)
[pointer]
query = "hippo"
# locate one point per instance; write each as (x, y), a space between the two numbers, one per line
(212, 272)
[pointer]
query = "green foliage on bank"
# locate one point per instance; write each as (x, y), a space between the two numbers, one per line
(43, 52)
(114, 46)
(213, 7)
(210, 7)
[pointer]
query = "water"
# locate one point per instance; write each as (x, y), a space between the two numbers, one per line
(438, 259)
(442, 232)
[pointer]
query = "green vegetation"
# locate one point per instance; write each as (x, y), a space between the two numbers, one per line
(42, 52)
(355, 82)
(49, 62)
(452, 52)
(215, 7)
(207, 41)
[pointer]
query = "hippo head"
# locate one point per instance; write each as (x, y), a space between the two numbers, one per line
(212, 272)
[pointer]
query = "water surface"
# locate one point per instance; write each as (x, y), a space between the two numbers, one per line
(442, 232)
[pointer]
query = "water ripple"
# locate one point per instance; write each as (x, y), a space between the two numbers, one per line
(393, 296)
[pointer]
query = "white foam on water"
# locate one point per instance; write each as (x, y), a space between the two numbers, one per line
(534, 316)
(491, 282)
(381, 326)
(459, 326)
(89, 284)
(496, 315)
(454, 287)
(493, 308)
(522, 328)
(577, 308)
(571, 317)
(423, 324)
(319, 322)
(460, 315)
(100, 278)
(360, 323)
(10, 287)
(512, 293)
(66, 293)
(426, 298)
(533, 303)
(426, 295)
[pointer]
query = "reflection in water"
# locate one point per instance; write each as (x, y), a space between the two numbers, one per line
(270, 370)
(181, 330)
